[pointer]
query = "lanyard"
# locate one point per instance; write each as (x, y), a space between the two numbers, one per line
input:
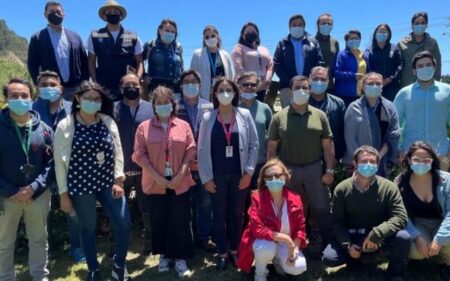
(166, 139)
(227, 131)
(24, 143)
(213, 62)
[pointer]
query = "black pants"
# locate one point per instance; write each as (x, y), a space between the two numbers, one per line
(397, 246)
(142, 199)
(171, 225)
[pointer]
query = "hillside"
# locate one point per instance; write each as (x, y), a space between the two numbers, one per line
(11, 42)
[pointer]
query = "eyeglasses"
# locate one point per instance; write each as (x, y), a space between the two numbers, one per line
(416, 159)
(269, 177)
(210, 36)
(249, 85)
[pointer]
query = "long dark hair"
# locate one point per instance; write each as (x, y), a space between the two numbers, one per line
(242, 39)
(388, 40)
(107, 102)
(163, 23)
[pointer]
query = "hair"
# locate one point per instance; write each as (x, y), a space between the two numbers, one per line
(247, 75)
(107, 102)
(295, 17)
(370, 74)
(164, 92)
(272, 162)
(187, 73)
(163, 23)
(421, 55)
(418, 15)
(129, 74)
(48, 74)
(213, 29)
(241, 37)
(17, 80)
(365, 148)
(52, 3)
(317, 68)
(322, 15)
(297, 78)
(350, 32)
(388, 40)
(235, 101)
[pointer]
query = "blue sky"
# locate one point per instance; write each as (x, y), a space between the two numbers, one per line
(26, 16)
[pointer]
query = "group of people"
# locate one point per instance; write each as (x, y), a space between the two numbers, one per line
(91, 136)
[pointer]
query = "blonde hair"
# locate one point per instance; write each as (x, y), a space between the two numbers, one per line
(271, 163)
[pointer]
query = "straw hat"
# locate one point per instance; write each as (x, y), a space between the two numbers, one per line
(112, 4)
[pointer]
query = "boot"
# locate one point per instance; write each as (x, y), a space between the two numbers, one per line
(147, 234)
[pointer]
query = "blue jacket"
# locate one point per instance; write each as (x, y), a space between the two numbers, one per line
(284, 58)
(42, 107)
(41, 56)
(12, 156)
(345, 71)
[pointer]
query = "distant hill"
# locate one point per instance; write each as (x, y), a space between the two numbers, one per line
(10, 42)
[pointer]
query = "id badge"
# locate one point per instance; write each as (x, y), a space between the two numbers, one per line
(168, 171)
(229, 151)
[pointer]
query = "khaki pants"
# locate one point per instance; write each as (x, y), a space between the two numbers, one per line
(285, 97)
(35, 218)
(428, 229)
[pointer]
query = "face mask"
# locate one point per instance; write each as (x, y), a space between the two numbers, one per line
(211, 42)
(300, 97)
(225, 98)
(113, 19)
(425, 73)
(167, 37)
(275, 185)
(381, 37)
(191, 90)
(318, 87)
(248, 96)
(55, 18)
(372, 91)
(19, 106)
(367, 170)
(49, 93)
(90, 107)
(419, 29)
(420, 169)
(297, 32)
(251, 37)
(353, 43)
(325, 29)
(131, 92)
(163, 110)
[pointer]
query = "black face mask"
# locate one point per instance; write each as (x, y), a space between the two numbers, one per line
(131, 92)
(113, 19)
(251, 37)
(55, 18)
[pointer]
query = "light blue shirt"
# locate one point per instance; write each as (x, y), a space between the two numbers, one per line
(298, 55)
(424, 114)
(62, 51)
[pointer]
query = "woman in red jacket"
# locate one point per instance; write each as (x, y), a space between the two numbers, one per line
(276, 230)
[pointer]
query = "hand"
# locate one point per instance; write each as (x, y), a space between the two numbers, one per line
(175, 181)
(435, 248)
(161, 182)
(117, 191)
(65, 203)
(210, 186)
(369, 245)
(24, 194)
(292, 255)
(422, 246)
(327, 179)
(387, 81)
(359, 76)
(354, 251)
(245, 181)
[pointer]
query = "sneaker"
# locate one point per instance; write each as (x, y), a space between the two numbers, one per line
(182, 269)
(120, 273)
(93, 276)
(77, 255)
(163, 264)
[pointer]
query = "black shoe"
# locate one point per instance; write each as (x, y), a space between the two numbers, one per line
(207, 245)
(234, 259)
(120, 273)
(93, 276)
(221, 263)
(445, 273)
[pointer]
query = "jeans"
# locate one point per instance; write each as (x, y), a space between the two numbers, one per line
(203, 210)
(74, 232)
(117, 210)
(228, 210)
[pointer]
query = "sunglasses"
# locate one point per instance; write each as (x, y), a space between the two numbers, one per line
(210, 36)
(416, 159)
(249, 85)
(269, 177)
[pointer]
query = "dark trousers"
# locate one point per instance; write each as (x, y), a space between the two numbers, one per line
(202, 210)
(397, 246)
(135, 183)
(228, 207)
(171, 225)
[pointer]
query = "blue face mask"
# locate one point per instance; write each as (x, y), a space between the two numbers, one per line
(353, 43)
(167, 37)
(191, 90)
(49, 93)
(420, 169)
(19, 106)
(367, 170)
(297, 32)
(275, 185)
(373, 91)
(325, 29)
(90, 107)
(318, 87)
(381, 37)
(425, 73)
(419, 29)
(163, 110)
(248, 96)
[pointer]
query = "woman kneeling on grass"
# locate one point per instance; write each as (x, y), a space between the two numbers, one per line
(276, 229)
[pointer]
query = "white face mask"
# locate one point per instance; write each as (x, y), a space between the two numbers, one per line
(225, 98)
(248, 96)
(300, 97)
(211, 42)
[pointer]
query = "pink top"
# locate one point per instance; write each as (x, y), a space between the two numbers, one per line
(150, 146)
(247, 59)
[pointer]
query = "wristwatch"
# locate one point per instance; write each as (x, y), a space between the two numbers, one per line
(330, 171)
